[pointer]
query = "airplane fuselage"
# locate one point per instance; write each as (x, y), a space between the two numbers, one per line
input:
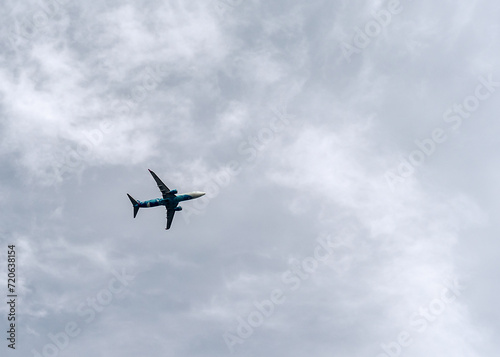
(170, 202)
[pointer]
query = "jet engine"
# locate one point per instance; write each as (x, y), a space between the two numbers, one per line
(179, 208)
(173, 191)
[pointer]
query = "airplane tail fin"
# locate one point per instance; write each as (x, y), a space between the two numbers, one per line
(135, 204)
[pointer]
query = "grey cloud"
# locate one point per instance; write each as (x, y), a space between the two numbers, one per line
(96, 94)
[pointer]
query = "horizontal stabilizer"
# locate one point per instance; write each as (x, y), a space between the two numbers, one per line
(135, 204)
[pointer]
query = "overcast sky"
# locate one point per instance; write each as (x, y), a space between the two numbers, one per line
(349, 151)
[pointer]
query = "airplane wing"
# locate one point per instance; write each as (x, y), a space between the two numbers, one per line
(165, 191)
(170, 217)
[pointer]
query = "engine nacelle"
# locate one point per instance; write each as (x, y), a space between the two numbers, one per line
(173, 191)
(179, 208)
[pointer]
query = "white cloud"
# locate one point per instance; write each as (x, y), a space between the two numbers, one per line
(103, 91)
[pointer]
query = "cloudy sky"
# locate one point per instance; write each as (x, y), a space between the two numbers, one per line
(349, 154)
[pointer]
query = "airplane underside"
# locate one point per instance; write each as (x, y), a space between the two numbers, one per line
(170, 200)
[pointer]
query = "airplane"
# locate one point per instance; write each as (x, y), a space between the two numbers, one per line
(170, 200)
